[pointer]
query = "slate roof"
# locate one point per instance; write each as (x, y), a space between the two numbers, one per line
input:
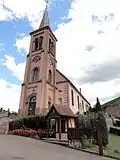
(45, 20)
(64, 111)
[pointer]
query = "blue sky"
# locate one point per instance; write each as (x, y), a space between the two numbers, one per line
(11, 30)
(88, 34)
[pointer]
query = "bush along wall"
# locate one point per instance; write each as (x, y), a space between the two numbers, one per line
(32, 122)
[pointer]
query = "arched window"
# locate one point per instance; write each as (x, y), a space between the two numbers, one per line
(49, 103)
(50, 76)
(32, 105)
(60, 101)
(36, 43)
(40, 42)
(35, 74)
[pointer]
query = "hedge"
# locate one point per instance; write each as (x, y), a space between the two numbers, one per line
(33, 122)
(115, 131)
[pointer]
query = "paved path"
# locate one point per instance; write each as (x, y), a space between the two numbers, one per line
(20, 148)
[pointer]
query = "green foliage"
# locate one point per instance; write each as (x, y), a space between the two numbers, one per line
(83, 122)
(33, 122)
(113, 103)
(1, 110)
(100, 120)
(103, 128)
(116, 151)
(98, 107)
(88, 144)
(91, 122)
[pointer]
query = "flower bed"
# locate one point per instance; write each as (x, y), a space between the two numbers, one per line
(29, 133)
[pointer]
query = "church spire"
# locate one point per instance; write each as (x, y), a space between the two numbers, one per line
(45, 20)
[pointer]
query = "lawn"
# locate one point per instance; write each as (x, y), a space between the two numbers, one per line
(113, 148)
(114, 141)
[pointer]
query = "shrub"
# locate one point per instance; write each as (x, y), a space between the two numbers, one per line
(83, 122)
(103, 128)
(116, 151)
(91, 121)
(115, 131)
(32, 122)
(83, 126)
(29, 133)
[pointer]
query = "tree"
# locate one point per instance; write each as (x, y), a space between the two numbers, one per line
(1, 110)
(104, 129)
(99, 117)
(98, 106)
(90, 122)
(8, 112)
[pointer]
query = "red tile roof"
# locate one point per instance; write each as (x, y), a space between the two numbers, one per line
(64, 111)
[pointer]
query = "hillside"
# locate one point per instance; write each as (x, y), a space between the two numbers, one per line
(113, 103)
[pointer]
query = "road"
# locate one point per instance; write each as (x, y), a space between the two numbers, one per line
(20, 148)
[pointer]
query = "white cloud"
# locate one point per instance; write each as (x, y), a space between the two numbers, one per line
(19, 9)
(23, 44)
(9, 95)
(16, 69)
(74, 36)
(20, 34)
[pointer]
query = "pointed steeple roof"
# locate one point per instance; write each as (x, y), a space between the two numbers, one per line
(45, 20)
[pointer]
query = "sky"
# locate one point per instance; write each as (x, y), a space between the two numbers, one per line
(88, 47)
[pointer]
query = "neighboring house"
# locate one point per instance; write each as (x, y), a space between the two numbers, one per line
(113, 111)
(43, 84)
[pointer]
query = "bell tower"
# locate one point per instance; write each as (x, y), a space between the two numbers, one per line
(38, 90)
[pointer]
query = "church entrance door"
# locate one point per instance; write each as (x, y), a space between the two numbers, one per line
(32, 106)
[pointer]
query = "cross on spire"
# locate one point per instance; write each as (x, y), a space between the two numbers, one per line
(47, 2)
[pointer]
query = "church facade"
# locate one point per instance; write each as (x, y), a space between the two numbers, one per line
(44, 85)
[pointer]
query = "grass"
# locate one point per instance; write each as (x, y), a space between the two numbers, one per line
(113, 148)
(114, 141)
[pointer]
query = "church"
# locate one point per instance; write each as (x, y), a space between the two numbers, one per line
(44, 85)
